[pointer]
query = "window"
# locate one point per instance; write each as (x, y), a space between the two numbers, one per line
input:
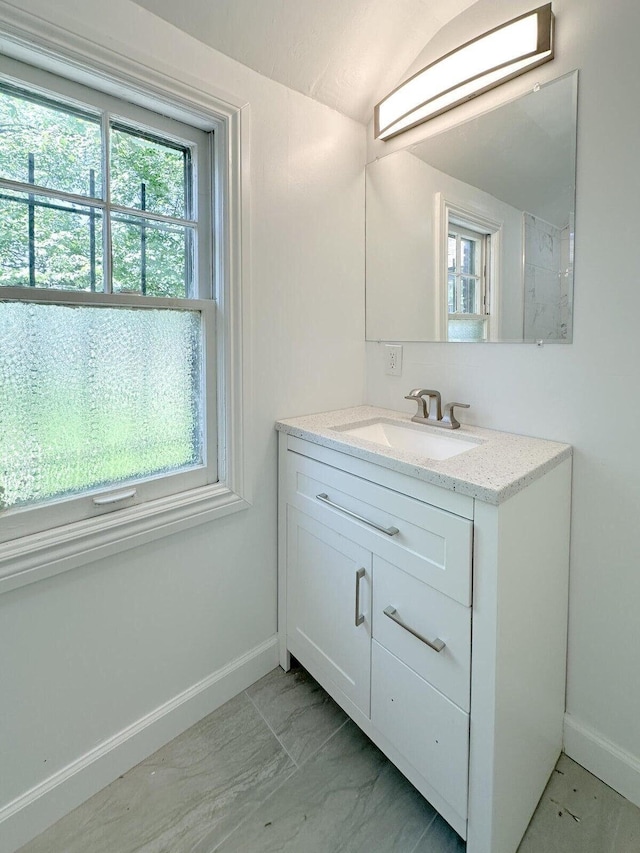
(467, 261)
(107, 312)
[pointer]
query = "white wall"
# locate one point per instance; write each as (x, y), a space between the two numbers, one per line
(400, 239)
(90, 652)
(584, 393)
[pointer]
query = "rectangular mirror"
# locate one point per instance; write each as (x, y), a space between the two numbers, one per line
(470, 234)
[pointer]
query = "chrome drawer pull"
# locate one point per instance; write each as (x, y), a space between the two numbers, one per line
(437, 645)
(359, 616)
(389, 531)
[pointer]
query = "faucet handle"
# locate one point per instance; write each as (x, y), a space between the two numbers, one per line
(416, 395)
(420, 394)
(449, 420)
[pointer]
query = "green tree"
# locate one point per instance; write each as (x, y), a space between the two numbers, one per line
(62, 150)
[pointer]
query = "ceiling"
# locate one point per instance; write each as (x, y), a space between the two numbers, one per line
(347, 54)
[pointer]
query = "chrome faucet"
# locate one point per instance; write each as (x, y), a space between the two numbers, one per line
(424, 406)
(429, 414)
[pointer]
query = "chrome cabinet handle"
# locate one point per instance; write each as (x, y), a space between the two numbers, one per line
(437, 645)
(359, 616)
(389, 531)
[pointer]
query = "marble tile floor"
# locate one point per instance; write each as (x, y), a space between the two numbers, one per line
(281, 768)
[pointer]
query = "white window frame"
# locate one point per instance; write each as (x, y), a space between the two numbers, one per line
(450, 211)
(56, 91)
(459, 231)
(35, 556)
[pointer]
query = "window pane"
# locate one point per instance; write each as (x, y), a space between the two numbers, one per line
(91, 396)
(469, 288)
(469, 251)
(467, 330)
(150, 257)
(147, 175)
(46, 242)
(451, 288)
(451, 253)
(49, 146)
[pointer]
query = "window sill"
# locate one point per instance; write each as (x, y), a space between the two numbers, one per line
(43, 555)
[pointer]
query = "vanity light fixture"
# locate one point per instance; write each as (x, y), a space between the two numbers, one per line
(479, 65)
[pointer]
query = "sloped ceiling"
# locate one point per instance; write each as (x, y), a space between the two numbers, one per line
(347, 54)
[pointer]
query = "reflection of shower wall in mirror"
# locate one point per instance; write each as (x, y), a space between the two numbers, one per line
(546, 252)
(566, 281)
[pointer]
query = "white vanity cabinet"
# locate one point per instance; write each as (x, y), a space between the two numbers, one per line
(437, 621)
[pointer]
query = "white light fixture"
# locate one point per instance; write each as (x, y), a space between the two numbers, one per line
(477, 66)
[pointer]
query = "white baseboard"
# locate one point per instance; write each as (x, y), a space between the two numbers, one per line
(606, 760)
(32, 812)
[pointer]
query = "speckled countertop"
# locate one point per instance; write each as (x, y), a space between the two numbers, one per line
(500, 465)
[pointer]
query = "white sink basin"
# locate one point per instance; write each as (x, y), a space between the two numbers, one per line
(414, 438)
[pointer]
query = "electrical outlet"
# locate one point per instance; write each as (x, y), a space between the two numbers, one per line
(393, 359)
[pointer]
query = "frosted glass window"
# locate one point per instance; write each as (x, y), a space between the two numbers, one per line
(96, 395)
(467, 330)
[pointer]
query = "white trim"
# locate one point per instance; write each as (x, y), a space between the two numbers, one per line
(46, 45)
(606, 760)
(42, 555)
(28, 38)
(445, 207)
(32, 812)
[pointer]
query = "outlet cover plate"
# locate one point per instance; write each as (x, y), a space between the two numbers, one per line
(393, 359)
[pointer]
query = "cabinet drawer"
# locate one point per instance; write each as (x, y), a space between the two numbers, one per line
(430, 731)
(433, 545)
(430, 614)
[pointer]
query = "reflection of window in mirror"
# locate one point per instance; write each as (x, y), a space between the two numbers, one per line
(467, 271)
(468, 255)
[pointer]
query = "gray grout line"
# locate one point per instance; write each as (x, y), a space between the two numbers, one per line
(424, 834)
(298, 766)
(271, 729)
(284, 781)
(325, 742)
(312, 754)
(294, 770)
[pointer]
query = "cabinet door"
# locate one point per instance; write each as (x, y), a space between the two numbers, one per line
(329, 606)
